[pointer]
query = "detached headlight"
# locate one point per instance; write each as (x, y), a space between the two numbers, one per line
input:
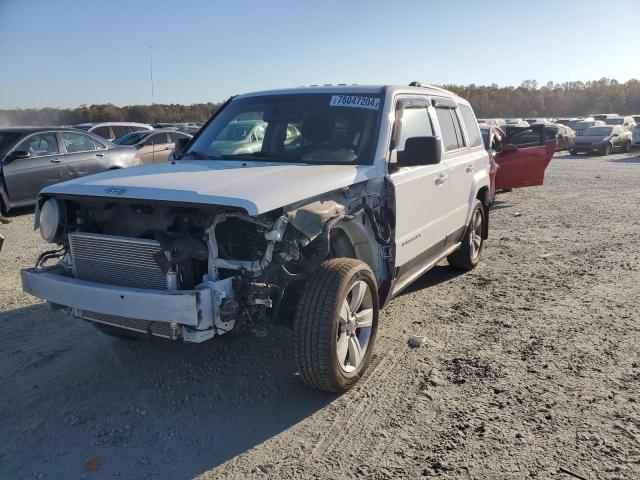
(51, 221)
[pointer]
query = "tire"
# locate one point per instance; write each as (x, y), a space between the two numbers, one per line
(335, 324)
(469, 253)
(573, 152)
(607, 150)
(627, 147)
(115, 332)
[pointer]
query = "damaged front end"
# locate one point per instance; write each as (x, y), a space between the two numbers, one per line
(191, 272)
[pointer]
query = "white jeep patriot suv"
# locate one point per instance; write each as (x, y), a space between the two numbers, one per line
(354, 193)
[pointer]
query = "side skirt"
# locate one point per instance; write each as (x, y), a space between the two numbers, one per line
(403, 281)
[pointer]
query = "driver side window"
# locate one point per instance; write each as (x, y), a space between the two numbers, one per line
(40, 145)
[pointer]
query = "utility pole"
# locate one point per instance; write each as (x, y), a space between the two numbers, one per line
(153, 116)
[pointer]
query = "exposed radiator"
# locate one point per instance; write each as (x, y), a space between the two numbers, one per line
(123, 261)
(159, 329)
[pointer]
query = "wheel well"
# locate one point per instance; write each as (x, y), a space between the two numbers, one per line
(341, 244)
(483, 196)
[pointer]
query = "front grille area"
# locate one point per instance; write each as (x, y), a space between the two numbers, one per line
(159, 329)
(122, 261)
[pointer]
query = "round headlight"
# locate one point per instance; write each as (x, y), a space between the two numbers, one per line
(51, 221)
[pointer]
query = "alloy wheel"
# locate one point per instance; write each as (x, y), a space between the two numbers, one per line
(354, 327)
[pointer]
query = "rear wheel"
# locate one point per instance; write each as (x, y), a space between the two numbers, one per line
(335, 324)
(468, 255)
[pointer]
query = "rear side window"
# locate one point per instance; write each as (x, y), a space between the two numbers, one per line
(525, 137)
(119, 130)
(175, 136)
(415, 123)
(99, 145)
(159, 138)
(102, 132)
(448, 129)
(471, 125)
(77, 142)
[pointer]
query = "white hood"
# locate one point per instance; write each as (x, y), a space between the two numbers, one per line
(256, 187)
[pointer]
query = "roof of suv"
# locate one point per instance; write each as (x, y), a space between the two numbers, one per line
(355, 89)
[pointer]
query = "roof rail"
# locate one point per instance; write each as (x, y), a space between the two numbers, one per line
(425, 85)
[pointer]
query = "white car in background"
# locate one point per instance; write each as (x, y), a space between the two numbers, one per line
(112, 130)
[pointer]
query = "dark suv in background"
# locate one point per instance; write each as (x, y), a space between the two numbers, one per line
(32, 158)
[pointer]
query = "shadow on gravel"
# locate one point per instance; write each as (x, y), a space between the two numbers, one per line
(438, 274)
(18, 212)
(142, 408)
(626, 160)
(499, 204)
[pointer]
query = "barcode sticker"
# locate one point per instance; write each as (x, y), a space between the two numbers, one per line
(355, 102)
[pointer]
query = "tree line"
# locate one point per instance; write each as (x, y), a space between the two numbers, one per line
(174, 113)
(570, 99)
(529, 99)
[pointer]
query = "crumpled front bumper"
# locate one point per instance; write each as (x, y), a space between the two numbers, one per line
(193, 308)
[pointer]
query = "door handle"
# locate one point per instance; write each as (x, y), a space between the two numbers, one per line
(470, 168)
(100, 154)
(440, 179)
(55, 160)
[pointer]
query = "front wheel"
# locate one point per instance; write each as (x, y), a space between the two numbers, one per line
(335, 324)
(607, 150)
(627, 147)
(468, 255)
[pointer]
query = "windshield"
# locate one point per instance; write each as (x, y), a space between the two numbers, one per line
(130, 138)
(294, 128)
(597, 132)
(7, 139)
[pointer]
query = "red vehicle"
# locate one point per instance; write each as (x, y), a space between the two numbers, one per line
(522, 155)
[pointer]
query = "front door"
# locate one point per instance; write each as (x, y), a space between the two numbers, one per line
(522, 158)
(25, 177)
(422, 195)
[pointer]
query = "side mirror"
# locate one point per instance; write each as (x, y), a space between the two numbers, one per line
(19, 154)
(509, 148)
(420, 151)
(180, 144)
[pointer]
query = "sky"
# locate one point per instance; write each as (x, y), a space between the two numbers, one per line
(65, 53)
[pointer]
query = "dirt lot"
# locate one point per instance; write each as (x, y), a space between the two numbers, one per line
(531, 368)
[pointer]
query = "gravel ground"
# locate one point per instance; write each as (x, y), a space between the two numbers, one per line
(530, 369)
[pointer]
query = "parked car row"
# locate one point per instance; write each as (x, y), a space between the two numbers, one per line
(32, 158)
(580, 134)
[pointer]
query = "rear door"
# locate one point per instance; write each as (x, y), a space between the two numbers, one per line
(82, 155)
(522, 158)
(25, 177)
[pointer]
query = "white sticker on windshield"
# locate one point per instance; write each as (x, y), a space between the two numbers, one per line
(355, 102)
